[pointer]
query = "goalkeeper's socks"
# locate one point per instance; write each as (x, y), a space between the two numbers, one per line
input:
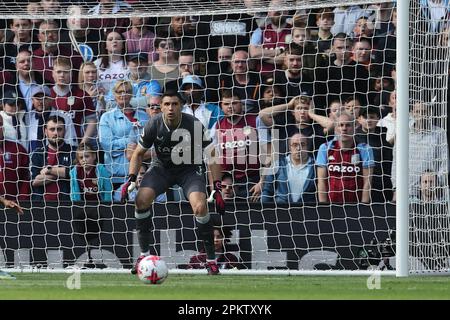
(144, 228)
(206, 233)
(145, 254)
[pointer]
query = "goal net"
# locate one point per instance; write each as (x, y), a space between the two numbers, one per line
(298, 99)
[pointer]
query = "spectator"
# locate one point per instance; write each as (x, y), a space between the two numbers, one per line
(236, 140)
(427, 144)
(324, 21)
(185, 36)
(230, 29)
(352, 105)
(293, 178)
(185, 67)
(345, 18)
(21, 39)
(340, 75)
(165, 68)
(35, 9)
(14, 125)
(108, 7)
(50, 165)
(293, 117)
(435, 13)
(269, 41)
(209, 114)
(344, 169)
(51, 7)
(118, 128)
(14, 169)
(225, 259)
(89, 180)
(38, 116)
(429, 223)
(388, 121)
(143, 86)
(85, 40)
(362, 52)
(244, 82)
(292, 81)
(216, 68)
(132, 195)
(24, 79)
(363, 28)
(139, 38)
(70, 99)
(368, 133)
(227, 187)
(301, 36)
(88, 82)
(50, 49)
(153, 106)
(111, 64)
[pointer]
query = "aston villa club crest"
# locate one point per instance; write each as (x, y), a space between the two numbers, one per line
(247, 130)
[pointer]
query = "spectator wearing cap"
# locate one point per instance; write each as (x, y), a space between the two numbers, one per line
(293, 117)
(14, 125)
(38, 116)
(192, 90)
(243, 81)
(292, 178)
(14, 168)
(292, 81)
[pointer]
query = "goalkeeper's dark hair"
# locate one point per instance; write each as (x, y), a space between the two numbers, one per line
(172, 93)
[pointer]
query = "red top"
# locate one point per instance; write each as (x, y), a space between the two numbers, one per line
(87, 181)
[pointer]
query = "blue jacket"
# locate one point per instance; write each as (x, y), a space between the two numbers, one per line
(276, 185)
(105, 187)
(115, 133)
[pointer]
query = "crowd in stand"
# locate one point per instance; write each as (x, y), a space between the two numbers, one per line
(300, 104)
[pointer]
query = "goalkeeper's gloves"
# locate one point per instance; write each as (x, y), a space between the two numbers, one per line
(216, 195)
(128, 187)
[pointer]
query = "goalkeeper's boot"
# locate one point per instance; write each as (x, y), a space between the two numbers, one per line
(213, 268)
(136, 265)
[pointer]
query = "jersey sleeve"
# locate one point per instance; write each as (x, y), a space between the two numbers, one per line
(148, 135)
(367, 158)
(322, 160)
(256, 38)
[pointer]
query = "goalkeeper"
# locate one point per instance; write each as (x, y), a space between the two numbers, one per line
(179, 140)
(9, 204)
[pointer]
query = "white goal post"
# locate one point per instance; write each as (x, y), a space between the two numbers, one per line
(401, 235)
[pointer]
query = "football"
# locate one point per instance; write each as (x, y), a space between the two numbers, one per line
(152, 270)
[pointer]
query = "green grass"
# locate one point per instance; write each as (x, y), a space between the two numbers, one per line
(193, 287)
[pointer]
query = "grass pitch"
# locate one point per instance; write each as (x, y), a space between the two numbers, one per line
(223, 287)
